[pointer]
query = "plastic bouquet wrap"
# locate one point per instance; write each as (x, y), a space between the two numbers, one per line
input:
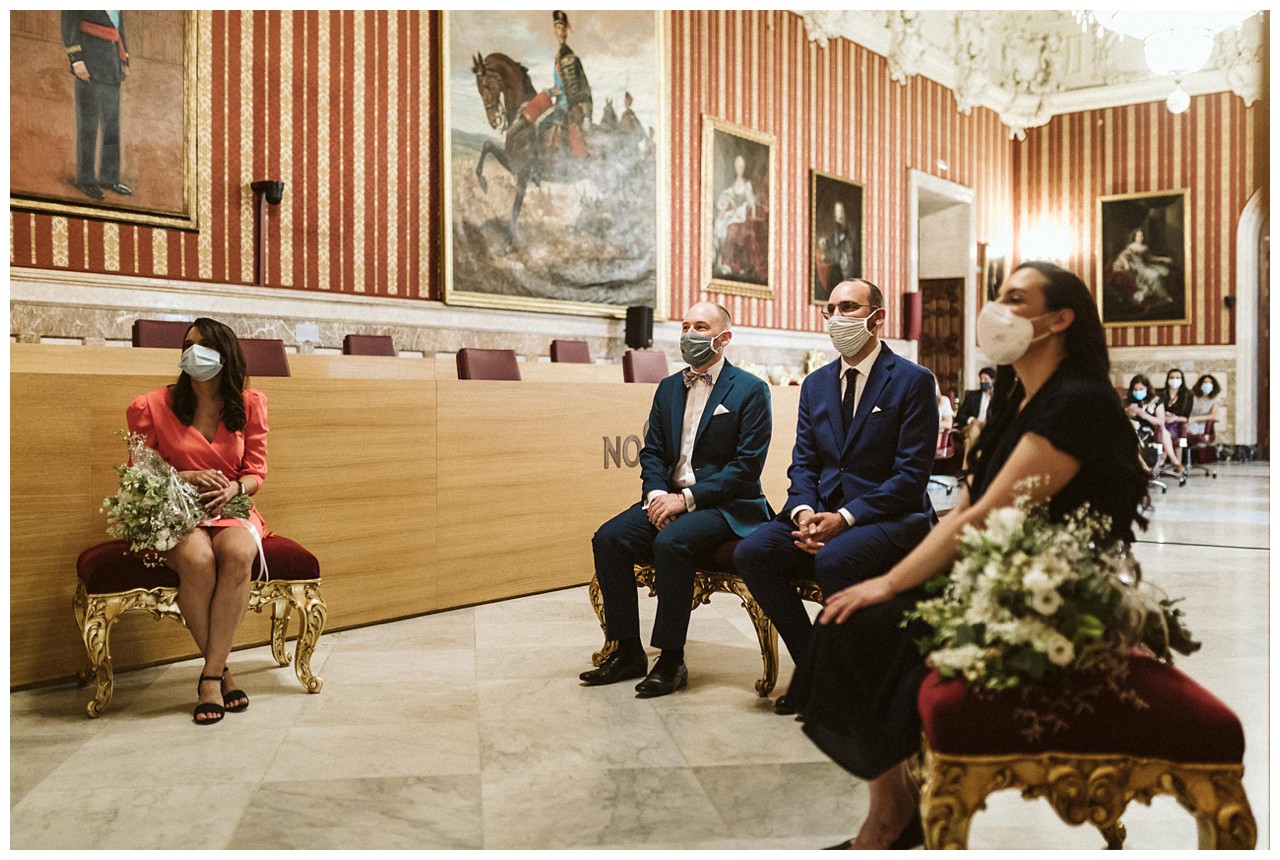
(1051, 608)
(154, 508)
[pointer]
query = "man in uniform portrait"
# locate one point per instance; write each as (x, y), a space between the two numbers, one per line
(99, 60)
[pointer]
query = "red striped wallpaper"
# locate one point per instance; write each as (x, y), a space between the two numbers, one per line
(1061, 170)
(834, 109)
(340, 105)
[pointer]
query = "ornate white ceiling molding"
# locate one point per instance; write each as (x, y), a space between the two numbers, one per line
(1029, 66)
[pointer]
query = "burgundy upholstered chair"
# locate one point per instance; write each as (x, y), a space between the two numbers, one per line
(265, 357)
(113, 581)
(492, 364)
(644, 365)
(160, 334)
(1185, 742)
(570, 351)
(368, 344)
(716, 574)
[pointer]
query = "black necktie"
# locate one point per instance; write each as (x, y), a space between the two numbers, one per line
(851, 388)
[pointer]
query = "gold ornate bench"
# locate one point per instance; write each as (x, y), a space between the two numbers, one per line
(1185, 743)
(112, 582)
(716, 575)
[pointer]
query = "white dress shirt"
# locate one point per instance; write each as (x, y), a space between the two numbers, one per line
(983, 402)
(860, 385)
(695, 403)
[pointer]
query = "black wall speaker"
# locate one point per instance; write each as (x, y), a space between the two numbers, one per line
(639, 327)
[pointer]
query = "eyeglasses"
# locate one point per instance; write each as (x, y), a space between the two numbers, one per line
(846, 309)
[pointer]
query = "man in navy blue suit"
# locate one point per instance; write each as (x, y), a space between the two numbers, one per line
(865, 440)
(708, 435)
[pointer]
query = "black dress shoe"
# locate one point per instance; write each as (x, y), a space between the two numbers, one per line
(90, 190)
(618, 667)
(784, 706)
(667, 677)
(118, 188)
(912, 836)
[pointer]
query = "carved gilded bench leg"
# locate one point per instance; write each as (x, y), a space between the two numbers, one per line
(952, 792)
(280, 612)
(597, 603)
(96, 617)
(1115, 835)
(1216, 798)
(312, 613)
(765, 632)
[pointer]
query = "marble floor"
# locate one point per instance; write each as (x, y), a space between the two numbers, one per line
(468, 729)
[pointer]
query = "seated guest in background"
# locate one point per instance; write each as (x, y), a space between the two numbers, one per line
(700, 467)
(865, 440)
(1208, 397)
(1177, 406)
(973, 410)
(946, 415)
(1146, 409)
(1054, 416)
(213, 430)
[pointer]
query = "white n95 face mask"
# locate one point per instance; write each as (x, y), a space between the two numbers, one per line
(1003, 336)
(200, 362)
(849, 334)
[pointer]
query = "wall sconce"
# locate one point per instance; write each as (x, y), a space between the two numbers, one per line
(265, 192)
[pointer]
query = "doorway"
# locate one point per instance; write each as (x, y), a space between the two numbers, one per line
(942, 265)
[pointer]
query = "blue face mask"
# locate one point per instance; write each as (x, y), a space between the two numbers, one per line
(1139, 396)
(985, 386)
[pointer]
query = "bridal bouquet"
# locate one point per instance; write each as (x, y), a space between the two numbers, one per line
(154, 508)
(1052, 608)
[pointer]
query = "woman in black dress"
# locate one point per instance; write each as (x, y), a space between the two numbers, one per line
(1053, 415)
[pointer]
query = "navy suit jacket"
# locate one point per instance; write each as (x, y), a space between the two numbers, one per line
(877, 469)
(728, 449)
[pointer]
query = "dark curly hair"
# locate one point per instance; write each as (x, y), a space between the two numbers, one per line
(216, 336)
(1086, 343)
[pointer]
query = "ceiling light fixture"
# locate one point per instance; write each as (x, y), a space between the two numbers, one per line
(1174, 43)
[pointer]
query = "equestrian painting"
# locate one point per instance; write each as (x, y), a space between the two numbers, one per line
(552, 192)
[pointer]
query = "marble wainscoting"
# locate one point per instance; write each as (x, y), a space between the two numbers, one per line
(61, 307)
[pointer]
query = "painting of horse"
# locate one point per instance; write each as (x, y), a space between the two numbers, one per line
(551, 199)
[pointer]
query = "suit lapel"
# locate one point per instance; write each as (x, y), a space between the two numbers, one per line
(831, 395)
(675, 416)
(718, 392)
(881, 371)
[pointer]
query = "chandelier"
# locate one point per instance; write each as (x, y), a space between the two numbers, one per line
(1175, 43)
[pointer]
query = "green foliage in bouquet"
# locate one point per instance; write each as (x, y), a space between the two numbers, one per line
(1035, 602)
(154, 508)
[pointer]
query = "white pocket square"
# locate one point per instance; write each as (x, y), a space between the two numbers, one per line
(720, 410)
(875, 409)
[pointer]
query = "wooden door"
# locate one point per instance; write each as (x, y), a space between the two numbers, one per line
(942, 331)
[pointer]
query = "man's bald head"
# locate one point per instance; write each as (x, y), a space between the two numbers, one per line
(707, 317)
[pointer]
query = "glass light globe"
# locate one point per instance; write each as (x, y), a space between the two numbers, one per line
(1178, 101)
(1178, 52)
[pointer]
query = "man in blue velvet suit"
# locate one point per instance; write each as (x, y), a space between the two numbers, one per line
(865, 440)
(708, 435)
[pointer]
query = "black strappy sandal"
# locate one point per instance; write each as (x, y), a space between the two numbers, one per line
(227, 698)
(213, 713)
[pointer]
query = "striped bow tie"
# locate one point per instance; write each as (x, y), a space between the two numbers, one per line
(691, 376)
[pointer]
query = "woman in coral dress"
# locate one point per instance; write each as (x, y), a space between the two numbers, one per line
(213, 430)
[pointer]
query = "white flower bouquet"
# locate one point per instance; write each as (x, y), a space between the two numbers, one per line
(1053, 608)
(154, 508)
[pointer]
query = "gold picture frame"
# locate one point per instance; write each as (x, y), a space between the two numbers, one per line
(1144, 258)
(160, 166)
(533, 256)
(834, 247)
(737, 243)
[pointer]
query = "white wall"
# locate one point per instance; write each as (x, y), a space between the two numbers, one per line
(944, 246)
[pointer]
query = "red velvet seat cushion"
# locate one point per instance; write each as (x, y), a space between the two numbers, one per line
(1184, 723)
(109, 567)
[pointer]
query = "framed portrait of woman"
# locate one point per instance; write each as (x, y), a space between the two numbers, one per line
(737, 224)
(1144, 251)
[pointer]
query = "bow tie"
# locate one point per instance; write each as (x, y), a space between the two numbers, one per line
(691, 376)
